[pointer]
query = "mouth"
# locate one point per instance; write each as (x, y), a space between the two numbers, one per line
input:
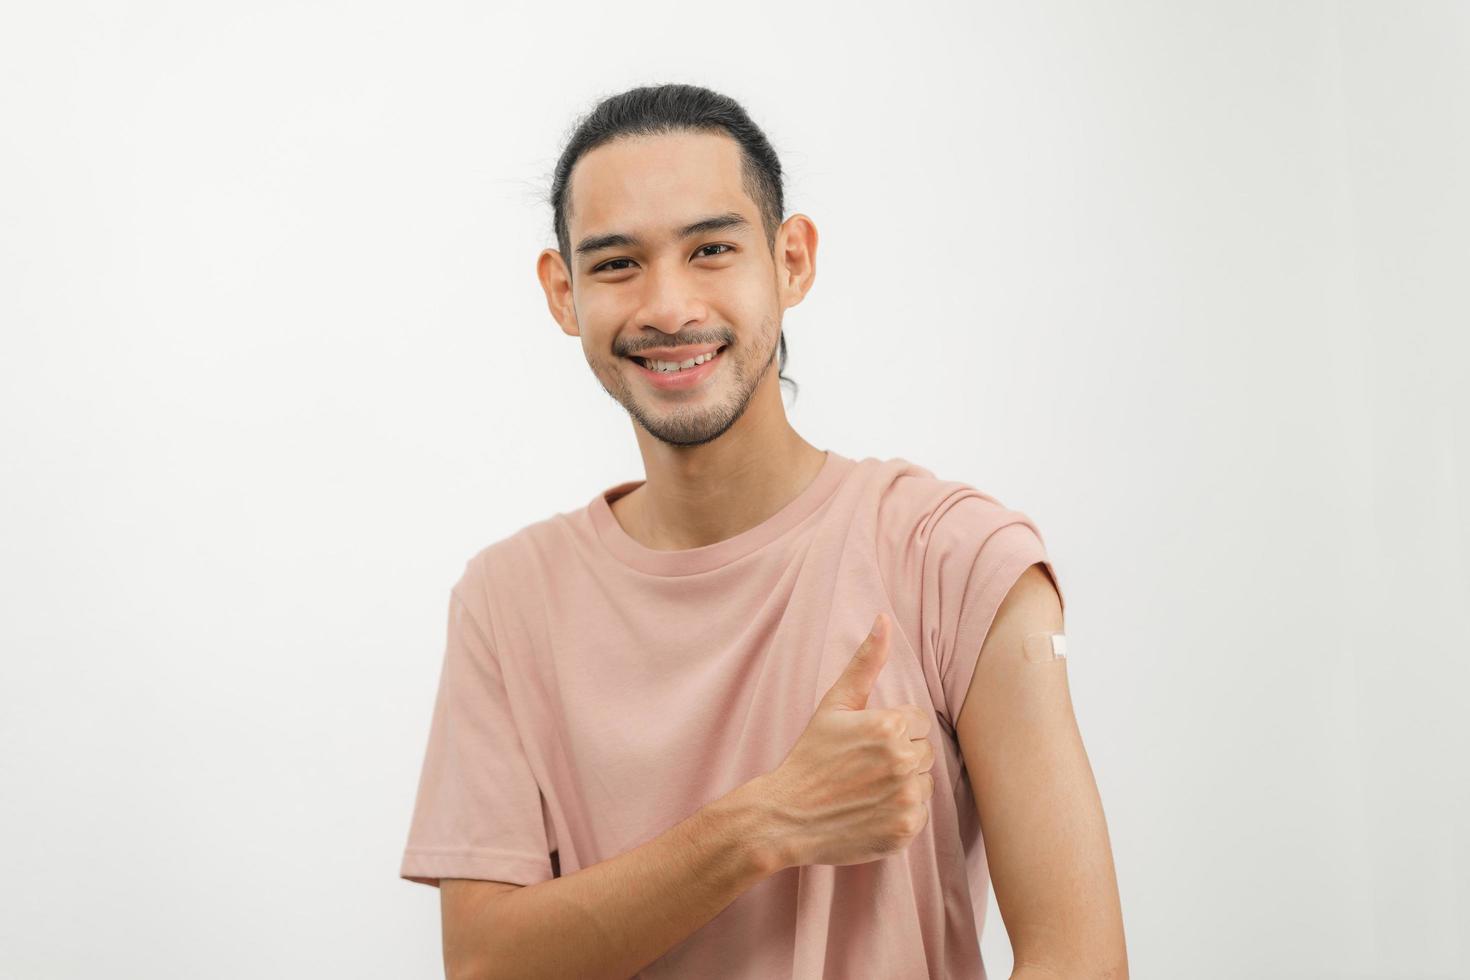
(681, 377)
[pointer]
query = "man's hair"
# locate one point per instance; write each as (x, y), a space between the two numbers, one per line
(651, 110)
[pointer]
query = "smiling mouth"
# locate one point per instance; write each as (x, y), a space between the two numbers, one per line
(643, 362)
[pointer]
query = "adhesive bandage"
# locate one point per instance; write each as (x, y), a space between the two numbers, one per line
(1043, 647)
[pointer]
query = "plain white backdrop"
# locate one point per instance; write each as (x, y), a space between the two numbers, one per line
(1185, 283)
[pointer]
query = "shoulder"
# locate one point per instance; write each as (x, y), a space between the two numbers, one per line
(917, 509)
(513, 564)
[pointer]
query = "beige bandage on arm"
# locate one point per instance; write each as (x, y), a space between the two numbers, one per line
(1041, 648)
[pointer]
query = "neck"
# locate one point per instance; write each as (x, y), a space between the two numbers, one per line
(698, 495)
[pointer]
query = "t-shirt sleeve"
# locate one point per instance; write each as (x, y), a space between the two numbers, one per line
(965, 555)
(478, 812)
(1004, 554)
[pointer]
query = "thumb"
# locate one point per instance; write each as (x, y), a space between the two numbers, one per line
(852, 687)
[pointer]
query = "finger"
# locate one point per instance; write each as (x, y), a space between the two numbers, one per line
(917, 719)
(854, 685)
(926, 761)
(921, 753)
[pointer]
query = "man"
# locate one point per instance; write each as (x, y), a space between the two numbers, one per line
(747, 717)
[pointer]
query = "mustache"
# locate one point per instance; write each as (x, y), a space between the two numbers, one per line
(677, 342)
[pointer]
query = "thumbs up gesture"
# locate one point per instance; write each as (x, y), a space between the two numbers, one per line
(856, 785)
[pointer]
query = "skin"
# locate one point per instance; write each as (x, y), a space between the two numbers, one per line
(1046, 839)
(722, 457)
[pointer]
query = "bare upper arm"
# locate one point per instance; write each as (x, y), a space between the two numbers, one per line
(1046, 839)
(466, 909)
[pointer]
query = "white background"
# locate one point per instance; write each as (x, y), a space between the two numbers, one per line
(1185, 283)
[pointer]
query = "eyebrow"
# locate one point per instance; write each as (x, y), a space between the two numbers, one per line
(596, 243)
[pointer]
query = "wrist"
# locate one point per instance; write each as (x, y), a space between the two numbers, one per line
(747, 814)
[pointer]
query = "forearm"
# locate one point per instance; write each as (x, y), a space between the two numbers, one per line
(1093, 971)
(613, 918)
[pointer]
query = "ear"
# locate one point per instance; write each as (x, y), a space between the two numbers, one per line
(796, 259)
(556, 282)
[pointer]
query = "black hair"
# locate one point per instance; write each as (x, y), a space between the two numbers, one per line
(650, 110)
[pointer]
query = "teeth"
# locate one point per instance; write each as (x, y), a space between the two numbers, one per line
(671, 366)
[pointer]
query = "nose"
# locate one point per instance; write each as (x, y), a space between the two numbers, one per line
(670, 299)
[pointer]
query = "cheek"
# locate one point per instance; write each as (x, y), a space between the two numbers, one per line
(598, 309)
(748, 307)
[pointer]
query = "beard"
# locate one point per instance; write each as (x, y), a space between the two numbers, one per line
(709, 414)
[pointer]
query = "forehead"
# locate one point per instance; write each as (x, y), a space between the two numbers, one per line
(650, 184)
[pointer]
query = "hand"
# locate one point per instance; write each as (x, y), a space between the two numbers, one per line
(856, 785)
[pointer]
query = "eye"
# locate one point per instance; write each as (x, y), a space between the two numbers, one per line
(611, 265)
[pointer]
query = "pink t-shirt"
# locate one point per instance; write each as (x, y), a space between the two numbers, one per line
(594, 692)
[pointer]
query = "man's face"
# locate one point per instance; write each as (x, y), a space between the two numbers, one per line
(655, 287)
